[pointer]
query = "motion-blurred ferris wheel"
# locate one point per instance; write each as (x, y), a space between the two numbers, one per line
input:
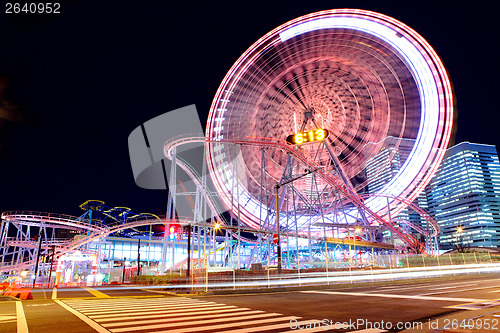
(366, 106)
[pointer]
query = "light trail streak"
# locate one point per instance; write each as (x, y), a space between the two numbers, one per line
(309, 279)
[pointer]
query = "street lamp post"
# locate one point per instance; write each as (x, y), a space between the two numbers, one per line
(460, 246)
(278, 243)
(357, 230)
(188, 270)
(123, 272)
(215, 228)
(139, 257)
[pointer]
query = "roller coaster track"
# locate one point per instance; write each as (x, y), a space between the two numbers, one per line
(337, 183)
(95, 229)
(52, 220)
(191, 172)
(195, 176)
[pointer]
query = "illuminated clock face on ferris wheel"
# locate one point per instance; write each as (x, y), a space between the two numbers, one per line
(375, 87)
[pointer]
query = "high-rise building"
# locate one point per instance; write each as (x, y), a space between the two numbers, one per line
(464, 196)
(386, 164)
(383, 167)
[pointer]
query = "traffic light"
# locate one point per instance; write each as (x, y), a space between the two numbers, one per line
(173, 230)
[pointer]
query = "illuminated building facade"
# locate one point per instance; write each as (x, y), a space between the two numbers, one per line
(384, 167)
(386, 164)
(464, 196)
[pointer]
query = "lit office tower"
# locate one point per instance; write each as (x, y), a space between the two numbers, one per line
(464, 196)
(384, 166)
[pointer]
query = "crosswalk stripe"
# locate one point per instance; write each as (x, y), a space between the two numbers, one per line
(126, 300)
(178, 315)
(207, 314)
(223, 326)
(151, 301)
(166, 313)
(7, 318)
(177, 323)
(217, 328)
(118, 305)
(92, 303)
(138, 306)
(151, 308)
(82, 317)
(275, 327)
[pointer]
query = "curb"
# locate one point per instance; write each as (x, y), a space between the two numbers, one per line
(8, 298)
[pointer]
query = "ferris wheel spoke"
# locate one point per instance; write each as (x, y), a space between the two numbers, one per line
(374, 84)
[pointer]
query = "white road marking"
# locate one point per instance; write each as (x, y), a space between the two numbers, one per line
(215, 328)
(169, 313)
(430, 287)
(460, 290)
(176, 315)
(426, 298)
(7, 318)
(118, 306)
(152, 308)
(176, 319)
(280, 326)
(454, 287)
(54, 293)
(241, 319)
(83, 318)
(22, 324)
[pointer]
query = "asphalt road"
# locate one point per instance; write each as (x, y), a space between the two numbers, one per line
(383, 307)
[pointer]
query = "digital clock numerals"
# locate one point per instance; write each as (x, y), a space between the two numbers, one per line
(311, 136)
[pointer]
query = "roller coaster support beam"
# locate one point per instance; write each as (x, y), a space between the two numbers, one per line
(342, 174)
(53, 249)
(276, 192)
(138, 257)
(38, 255)
(170, 208)
(3, 243)
(188, 270)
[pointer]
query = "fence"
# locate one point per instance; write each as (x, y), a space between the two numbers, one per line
(381, 267)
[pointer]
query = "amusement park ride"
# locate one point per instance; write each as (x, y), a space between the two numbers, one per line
(304, 147)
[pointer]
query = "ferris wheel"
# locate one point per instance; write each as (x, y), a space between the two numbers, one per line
(348, 92)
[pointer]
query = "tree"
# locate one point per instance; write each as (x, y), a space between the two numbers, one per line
(460, 245)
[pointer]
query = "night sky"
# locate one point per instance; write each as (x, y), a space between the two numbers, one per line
(74, 85)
